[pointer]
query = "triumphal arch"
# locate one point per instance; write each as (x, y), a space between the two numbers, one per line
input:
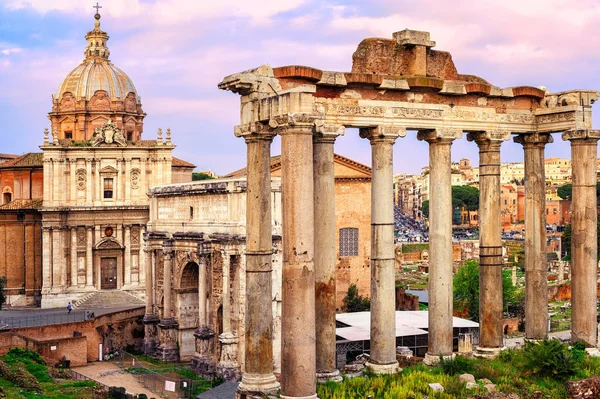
(398, 85)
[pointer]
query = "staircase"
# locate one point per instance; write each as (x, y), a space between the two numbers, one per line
(108, 299)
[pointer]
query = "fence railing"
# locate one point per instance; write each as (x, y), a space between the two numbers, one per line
(166, 383)
(80, 377)
(42, 319)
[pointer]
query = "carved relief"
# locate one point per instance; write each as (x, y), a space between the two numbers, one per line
(67, 103)
(81, 179)
(135, 235)
(109, 244)
(100, 101)
(398, 112)
(108, 133)
(135, 178)
(556, 118)
(81, 237)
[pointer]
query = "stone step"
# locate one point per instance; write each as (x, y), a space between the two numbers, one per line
(108, 299)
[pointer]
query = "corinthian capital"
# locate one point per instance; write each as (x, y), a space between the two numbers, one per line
(327, 132)
(439, 135)
(293, 121)
(382, 132)
(581, 134)
(254, 131)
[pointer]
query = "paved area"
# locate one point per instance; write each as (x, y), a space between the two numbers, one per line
(110, 374)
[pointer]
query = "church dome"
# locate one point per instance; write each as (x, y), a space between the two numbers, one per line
(96, 72)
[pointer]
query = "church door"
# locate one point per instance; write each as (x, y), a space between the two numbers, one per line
(108, 268)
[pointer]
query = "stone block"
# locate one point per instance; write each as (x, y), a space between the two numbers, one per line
(409, 37)
(467, 378)
(436, 386)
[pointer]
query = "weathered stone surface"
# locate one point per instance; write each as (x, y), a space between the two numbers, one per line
(466, 378)
(584, 389)
(436, 386)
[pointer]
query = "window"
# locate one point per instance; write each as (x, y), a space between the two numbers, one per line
(68, 134)
(348, 242)
(97, 52)
(130, 136)
(7, 198)
(514, 202)
(505, 202)
(108, 188)
(191, 212)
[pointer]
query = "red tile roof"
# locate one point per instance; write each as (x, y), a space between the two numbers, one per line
(31, 159)
(181, 163)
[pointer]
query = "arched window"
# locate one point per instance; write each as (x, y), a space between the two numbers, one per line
(7, 197)
(349, 241)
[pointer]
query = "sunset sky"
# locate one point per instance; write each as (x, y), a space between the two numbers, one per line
(176, 52)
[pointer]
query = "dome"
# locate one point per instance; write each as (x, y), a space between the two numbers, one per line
(96, 72)
(93, 75)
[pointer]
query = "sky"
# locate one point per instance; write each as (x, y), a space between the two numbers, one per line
(177, 51)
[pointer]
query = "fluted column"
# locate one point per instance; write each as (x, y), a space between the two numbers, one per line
(491, 338)
(325, 277)
(168, 351)
(440, 242)
(127, 254)
(383, 279)
(584, 251)
(89, 260)
(536, 270)
(150, 318)
(73, 256)
(258, 377)
(46, 259)
(228, 367)
(298, 351)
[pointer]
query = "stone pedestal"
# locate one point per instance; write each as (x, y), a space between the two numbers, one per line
(432, 360)
(151, 340)
(488, 353)
(168, 350)
(228, 367)
(536, 270)
(203, 362)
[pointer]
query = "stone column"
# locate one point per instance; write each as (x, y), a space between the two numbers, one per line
(298, 351)
(127, 196)
(228, 367)
(58, 262)
(491, 339)
(89, 259)
(150, 318)
(258, 378)
(142, 263)
(127, 253)
(203, 362)
(325, 277)
(383, 272)
(98, 181)
(584, 251)
(168, 351)
(46, 259)
(536, 270)
(74, 256)
(440, 242)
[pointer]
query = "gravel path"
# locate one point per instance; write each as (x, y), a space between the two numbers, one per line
(111, 375)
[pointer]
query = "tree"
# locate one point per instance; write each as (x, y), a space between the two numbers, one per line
(2, 291)
(353, 302)
(565, 192)
(425, 208)
(466, 288)
(201, 176)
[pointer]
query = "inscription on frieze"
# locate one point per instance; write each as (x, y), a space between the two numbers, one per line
(556, 118)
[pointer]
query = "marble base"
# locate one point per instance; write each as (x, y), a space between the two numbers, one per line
(434, 360)
(488, 353)
(383, 368)
(257, 385)
(203, 366)
(334, 376)
(167, 353)
(150, 347)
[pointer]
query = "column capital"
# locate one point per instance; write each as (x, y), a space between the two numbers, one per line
(327, 133)
(254, 131)
(127, 226)
(581, 134)
(294, 122)
(489, 137)
(89, 227)
(533, 139)
(383, 133)
(439, 135)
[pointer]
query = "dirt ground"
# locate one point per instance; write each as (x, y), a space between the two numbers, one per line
(111, 375)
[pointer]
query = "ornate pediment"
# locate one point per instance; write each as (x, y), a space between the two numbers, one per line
(109, 244)
(109, 134)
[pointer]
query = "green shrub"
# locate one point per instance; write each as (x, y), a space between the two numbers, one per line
(23, 355)
(457, 365)
(117, 393)
(578, 351)
(548, 358)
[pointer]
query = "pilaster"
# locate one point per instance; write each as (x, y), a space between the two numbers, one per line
(168, 326)
(89, 259)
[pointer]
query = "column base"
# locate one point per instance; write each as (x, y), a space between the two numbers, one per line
(167, 353)
(334, 376)
(229, 372)
(434, 360)
(391, 368)
(488, 353)
(228, 367)
(204, 366)
(150, 347)
(257, 385)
